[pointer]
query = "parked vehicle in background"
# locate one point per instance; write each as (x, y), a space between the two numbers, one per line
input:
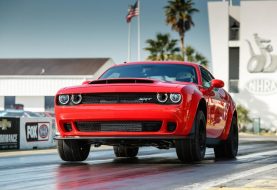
(18, 113)
(46, 114)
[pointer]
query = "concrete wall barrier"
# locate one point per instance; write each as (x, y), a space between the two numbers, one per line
(26, 133)
(9, 133)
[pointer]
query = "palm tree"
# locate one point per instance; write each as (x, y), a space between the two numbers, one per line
(190, 51)
(179, 16)
(201, 59)
(195, 56)
(162, 48)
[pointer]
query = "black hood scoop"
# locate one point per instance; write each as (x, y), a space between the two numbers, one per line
(122, 81)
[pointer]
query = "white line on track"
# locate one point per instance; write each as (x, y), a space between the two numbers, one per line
(271, 152)
(235, 176)
(229, 178)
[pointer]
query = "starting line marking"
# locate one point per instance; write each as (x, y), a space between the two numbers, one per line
(235, 176)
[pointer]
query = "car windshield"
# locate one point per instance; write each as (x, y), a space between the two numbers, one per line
(164, 72)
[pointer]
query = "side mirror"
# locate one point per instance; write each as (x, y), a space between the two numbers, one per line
(216, 83)
(86, 82)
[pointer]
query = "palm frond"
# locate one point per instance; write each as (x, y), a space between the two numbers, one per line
(162, 48)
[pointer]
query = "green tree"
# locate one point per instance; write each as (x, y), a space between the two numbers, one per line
(162, 48)
(179, 16)
(196, 57)
(201, 59)
(243, 116)
(192, 56)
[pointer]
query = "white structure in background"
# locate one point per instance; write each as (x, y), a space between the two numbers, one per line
(34, 82)
(244, 54)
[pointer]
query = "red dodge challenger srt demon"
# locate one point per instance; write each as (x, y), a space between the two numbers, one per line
(161, 104)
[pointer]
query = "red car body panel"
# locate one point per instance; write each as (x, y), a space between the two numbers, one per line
(219, 113)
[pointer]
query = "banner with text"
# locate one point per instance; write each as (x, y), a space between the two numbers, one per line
(9, 133)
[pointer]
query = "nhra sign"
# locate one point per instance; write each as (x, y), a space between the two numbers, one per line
(9, 133)
(36, 131)
(262, 86)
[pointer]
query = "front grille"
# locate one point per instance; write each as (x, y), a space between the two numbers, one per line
(120, 126)
(119, 98)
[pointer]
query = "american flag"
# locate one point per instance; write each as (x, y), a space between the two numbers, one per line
(132, 12)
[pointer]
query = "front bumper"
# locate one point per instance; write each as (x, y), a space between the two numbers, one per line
(121, 138)
(123, 112)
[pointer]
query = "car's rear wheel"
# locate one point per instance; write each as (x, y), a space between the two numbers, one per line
(228, 149)
(191, 150)
(73, 150)
(124, 151)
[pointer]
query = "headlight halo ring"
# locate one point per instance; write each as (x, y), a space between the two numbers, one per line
(78, 101)
(64, 99)
(175, 97)
(160, 99)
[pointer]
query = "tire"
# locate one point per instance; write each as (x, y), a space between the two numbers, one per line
(228, 149)
(127, 152)
(73, 150)
(193, 150)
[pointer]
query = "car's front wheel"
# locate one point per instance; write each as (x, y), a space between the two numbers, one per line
(228, 149)
(73, 150)
(191, 150)
(124, 151)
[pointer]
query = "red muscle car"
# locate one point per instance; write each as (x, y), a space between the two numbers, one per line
(161, 104)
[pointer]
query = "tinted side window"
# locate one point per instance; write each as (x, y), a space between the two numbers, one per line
(206, 78)
(49, 103)
(9, 102)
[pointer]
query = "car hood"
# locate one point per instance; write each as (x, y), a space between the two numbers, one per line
(124, 85)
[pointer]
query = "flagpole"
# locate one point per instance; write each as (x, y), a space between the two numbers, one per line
(139, 58)
(129, 41)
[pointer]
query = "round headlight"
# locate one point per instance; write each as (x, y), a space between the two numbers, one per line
(76, 99)
(64, 99)
(175, 98)
(162, 97)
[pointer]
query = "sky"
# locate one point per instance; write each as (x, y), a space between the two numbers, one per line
(88, 28)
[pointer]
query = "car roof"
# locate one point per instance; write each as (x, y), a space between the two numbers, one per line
(159, 62)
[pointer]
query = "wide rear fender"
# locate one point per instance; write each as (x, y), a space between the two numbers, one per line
(232, 113)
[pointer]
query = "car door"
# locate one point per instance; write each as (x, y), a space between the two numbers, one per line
(216, 109)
